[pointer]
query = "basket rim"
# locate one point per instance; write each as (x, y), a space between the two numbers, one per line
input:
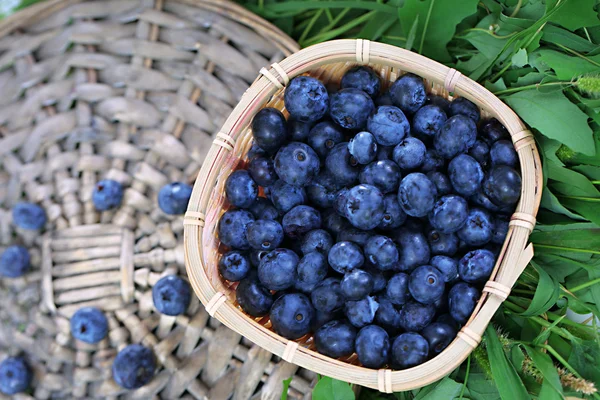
(512, 260)
(39, 11)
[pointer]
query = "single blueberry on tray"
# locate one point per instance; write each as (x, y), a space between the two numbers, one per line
(29, 216)
(173, 198)
(107, 195)
(171, 295)
(14, 261)
(134, 366)
(89, 324)
(15, 375)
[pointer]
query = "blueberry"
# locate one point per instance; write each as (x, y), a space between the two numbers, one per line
(449, 213)
(426, 284)
(500, 229)
(439, 336)
(363, 78)
(171, 295)
(232, 228)
(350, 108)
(324, 136)
(427, 121)
(442, 243)
(318, 240)
(306, 99)
(254, 298)
(477, 230)
(173, 198)
(503, 153)
(107, 195)
(263, 209)
(408, 93)
(133, 366)
(322, 190)
(361, 312)
(503, 186)
(351, 234)
(345, 256)
(364, 208)
(462, 106)
(264, 234)
(457, 135)
(432, 161)
(439, 101)
(255, 151)
(417, 194)
(481, 153)
(372, 346)
(476, 266)
(298, 130)
(465, 174)
(285, 196)
(342, 165)
(481, 200)
(448, 320)
(409, 350)
(381, 251)
(413, 249)
(321, 318)
(296, 163)
(462, 300)
(396, 291)
(241, 189)
(340, 201)
(387, 316)
(409, 153)
(14, 261)
(448, 267)
(363, 147)
(356, 284)
(234, 265)
(492, 131)
(89, 325)
(262, 171)
(384, 99)
(327, 295)
(389, 125)
(269, 129)
(334, 223)
(291, 315)
(384, 175)
(393, 215)
(256, 255)
(312, 269)
(300, 220)
(28, 216)
(335, 339)
(385, 153)
(15, 375)
(379, 279)
(415, 316)
(278, 269)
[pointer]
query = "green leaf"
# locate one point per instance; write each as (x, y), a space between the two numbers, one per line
(578, 239)
(565, 66)
(585, 208)
(555, 117)
(557, 35)
(442, 390)
(575, 14)
(547, 392)
(510, 386)
(584, 359)
(480, 388)
(439, 19)
(591, 171)
(519, 59)
(286, 386)
(331, 389)
(412, 34)
(545, 296)
(551, 202)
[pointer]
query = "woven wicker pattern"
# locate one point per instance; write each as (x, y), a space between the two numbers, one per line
(130, 90)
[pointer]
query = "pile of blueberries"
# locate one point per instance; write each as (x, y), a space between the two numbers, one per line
(382, 216)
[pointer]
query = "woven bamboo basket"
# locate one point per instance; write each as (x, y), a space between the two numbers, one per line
(328, 62)
(130, 90)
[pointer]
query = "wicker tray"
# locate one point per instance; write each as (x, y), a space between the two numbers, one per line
(328, 62)
(131, 90)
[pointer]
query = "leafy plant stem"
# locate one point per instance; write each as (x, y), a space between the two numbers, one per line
(462, 391)
(527, 87)
(502, 71)
(584, 285)
(595, 182)
(342, 29)
(547, 246)
(517, 8)
(587, 35)
(310, 25)
(425, 26)
(538, 320)
(335, 20)
(568, 50)
(592, 199)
